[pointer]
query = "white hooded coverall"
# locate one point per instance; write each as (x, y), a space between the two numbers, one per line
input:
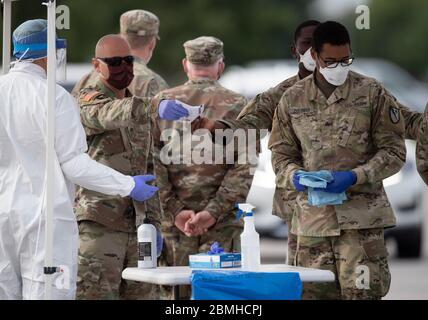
(23, 121)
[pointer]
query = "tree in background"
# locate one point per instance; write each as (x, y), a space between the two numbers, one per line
(398, 32)
(250, 29)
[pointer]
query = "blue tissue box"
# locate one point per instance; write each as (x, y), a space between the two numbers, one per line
(215, 261)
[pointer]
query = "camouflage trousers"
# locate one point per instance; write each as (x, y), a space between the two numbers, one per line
(103, 255)
(178, 247)
(291, 245)
(358, 259)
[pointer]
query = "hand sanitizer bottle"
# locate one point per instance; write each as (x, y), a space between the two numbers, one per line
(147, 255)
(250, 240)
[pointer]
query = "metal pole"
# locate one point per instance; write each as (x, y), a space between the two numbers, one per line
(7, 17)
(50, 146)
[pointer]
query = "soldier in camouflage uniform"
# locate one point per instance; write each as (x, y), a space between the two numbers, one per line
(258, 114)
(206, 192)
(118, 129)
(140, 29)
(356, 130)
(422, 147)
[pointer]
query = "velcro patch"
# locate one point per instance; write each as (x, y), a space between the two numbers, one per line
(394, 115)
(90, 95)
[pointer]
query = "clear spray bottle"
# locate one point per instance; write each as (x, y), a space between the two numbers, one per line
(250, 239)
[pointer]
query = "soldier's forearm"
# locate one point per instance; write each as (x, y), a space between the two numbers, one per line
(234, 188)
(110, 116)
(383, 165)
(413, 121)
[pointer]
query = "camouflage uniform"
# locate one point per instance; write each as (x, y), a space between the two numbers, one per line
(215, 188)
(359, 128)
(422, 148)
(258, 114)
(119, 136)
(108, 247)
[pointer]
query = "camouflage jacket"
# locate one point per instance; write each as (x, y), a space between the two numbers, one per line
(212, 187)
(146, 83)
(360, 128)
(258, 114)
(119, 136)
(422, 147)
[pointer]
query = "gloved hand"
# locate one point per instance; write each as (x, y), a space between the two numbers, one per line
(171, 110)
(342, 180)
(296, 182)
(143, 191)
(159, 243)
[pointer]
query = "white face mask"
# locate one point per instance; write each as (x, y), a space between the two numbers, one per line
(307, 60)
(335, 76)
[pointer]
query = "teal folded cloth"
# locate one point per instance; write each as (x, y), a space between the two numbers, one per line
(319, 180)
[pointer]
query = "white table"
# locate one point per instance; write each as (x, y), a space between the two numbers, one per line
(175, 276)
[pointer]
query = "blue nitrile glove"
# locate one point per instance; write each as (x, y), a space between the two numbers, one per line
(143, 191)
(296, 183)
(215, 249)
(159, 243)
(342, 180)
(171, 110)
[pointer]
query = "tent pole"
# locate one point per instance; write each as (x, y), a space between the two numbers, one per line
(7, 17)
(50, 146)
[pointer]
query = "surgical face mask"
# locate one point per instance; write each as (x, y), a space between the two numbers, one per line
(335, 76)
(120, 77)
(307, 60)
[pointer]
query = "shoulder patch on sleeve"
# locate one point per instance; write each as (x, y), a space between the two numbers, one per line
(88, 96)
(394, 114)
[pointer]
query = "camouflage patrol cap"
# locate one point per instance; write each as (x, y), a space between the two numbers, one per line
(203, 50)
(139, 22)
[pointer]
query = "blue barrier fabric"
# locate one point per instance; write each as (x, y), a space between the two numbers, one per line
(241, 285)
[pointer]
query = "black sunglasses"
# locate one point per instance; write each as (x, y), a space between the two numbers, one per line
(117, 61)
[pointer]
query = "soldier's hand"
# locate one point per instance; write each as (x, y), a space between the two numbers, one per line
(200, 223)
(171, 110)
(342, 180)
(182, 218)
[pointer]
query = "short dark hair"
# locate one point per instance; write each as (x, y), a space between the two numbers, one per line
(331, 32)
(304, 24)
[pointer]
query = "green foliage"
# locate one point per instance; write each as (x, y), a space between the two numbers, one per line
(398, 32)
(250, 29)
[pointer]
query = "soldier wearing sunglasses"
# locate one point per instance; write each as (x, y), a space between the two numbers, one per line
(118, 130)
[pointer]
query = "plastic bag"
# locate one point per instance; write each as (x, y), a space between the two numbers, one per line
(241, 285)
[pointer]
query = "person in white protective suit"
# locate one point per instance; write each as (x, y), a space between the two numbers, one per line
(23, 126)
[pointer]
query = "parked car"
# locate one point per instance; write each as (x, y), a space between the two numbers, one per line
(405, 189)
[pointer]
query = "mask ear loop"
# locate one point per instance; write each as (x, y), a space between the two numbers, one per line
(21, 57)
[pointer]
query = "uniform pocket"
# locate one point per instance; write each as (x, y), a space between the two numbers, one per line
(354, 129)
(380, 276)
(88, 277)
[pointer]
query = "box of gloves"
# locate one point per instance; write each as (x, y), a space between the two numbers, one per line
(216, 258)
(215, 261)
